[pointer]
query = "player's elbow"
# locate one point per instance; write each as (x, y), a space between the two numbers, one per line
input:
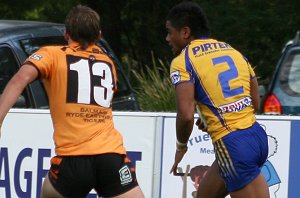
(19, 81)
(186, 117)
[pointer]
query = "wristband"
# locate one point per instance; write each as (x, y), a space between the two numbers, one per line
(181, 146)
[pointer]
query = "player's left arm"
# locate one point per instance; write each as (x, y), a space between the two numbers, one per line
(254, 92)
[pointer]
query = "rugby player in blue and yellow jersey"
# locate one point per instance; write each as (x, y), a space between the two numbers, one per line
(219, 80)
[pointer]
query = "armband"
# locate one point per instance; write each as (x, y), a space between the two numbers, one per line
(181, 146)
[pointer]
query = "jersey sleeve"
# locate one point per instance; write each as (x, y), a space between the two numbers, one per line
(178, 71)
(42, 60)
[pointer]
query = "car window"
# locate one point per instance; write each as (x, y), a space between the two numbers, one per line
(33, 44)
(290, 74)
(8, 67)
(294, 77)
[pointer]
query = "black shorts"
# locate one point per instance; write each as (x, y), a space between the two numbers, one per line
(108, 174)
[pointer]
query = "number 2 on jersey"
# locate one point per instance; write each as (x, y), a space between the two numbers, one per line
(90, 83)
(226, 76)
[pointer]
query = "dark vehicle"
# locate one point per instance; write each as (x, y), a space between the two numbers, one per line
(283, 94)
(19, 39)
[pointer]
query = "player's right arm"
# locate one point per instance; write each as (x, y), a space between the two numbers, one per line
(185, 105)
(26, 74)
(184, 120)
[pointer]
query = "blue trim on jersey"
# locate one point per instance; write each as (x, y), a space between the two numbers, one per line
(188, 65)
(200, 90)
(294, 173)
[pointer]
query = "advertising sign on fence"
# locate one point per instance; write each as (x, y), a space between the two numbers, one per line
(200, 156)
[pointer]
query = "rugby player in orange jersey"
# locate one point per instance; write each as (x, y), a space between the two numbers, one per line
(80, 80)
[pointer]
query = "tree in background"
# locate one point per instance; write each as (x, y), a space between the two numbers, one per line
(136, 28)
(259, 29)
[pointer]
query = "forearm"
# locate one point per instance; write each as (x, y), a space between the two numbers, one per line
(184, 127)
(185, 106)
(15, 87)
(9, 96)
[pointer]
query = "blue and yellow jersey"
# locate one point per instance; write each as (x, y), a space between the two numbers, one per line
(221, 76)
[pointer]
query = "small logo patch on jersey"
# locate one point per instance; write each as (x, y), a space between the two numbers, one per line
(125, 175)
(36, 57)
(175, 77)
(236, 106)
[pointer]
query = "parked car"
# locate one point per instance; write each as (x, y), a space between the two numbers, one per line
(19, 39)
(283, 93)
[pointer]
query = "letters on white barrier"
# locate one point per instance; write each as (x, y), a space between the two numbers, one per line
(26, 147)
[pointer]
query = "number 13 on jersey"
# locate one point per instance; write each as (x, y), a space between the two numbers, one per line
(90, 82)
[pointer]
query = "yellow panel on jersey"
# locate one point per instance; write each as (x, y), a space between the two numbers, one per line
(221, 77)
(80, 86)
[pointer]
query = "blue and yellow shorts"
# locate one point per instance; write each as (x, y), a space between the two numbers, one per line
(240, 154)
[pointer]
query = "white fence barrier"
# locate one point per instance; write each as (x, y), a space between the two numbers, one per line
(26, 147)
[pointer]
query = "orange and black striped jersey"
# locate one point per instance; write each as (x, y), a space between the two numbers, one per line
(80, 85)
(221, 77)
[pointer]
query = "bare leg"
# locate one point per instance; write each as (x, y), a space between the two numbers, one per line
(48, 191)
(136, 192)
(258, 188)
(212, 185)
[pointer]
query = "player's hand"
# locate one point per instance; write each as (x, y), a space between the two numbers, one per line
(201, 125)
(178, 157)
